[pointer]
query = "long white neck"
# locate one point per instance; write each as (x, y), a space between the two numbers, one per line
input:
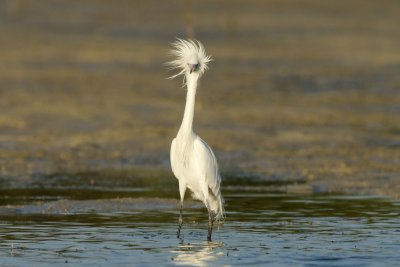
(187, 121)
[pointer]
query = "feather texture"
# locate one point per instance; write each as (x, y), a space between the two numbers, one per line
(188, 52)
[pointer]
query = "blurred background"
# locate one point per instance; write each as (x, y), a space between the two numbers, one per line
(302, 96)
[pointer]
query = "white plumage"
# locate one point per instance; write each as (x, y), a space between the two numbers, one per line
(192, 160)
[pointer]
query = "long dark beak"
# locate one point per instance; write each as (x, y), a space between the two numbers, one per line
(193, 67)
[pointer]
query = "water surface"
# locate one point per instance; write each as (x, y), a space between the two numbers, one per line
(260, 228)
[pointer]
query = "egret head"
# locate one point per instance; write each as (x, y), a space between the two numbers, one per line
(190, 58)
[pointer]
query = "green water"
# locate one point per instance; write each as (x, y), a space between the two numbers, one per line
(95, 228)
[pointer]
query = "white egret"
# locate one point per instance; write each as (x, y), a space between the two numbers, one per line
(192, 160)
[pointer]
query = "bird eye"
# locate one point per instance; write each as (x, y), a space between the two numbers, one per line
(193, 67)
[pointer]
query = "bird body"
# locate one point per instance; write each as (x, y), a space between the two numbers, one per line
(192, 160)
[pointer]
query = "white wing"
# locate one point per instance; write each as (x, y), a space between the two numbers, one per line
(174, 157)
(207, 163)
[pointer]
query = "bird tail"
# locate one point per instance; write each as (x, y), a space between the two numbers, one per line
(217, 207)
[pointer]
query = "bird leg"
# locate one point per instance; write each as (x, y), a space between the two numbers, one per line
(180, 221)
(210, 225)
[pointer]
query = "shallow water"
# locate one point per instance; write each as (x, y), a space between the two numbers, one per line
(260, 228)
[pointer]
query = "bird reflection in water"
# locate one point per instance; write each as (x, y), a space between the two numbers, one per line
(200, 254)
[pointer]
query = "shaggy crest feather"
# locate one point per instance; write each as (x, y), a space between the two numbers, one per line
(188, 52)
